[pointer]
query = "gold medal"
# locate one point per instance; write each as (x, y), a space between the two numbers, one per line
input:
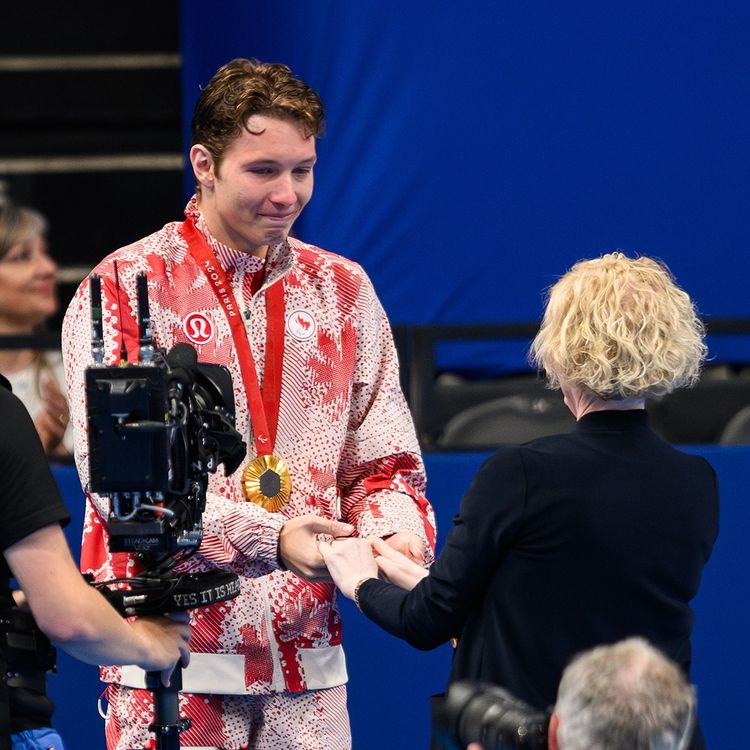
(266, 482)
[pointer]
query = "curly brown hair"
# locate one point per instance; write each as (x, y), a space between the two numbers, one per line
(243, 88)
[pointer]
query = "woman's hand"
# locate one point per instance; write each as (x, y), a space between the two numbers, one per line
(19, 599)
(349, 561)
(395, 567)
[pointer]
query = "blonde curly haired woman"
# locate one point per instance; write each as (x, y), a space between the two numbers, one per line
(573, 540)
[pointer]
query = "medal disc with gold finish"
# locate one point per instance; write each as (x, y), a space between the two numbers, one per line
(266, 482)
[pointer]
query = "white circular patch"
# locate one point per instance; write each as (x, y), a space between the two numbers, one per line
(300, 325)
(198, 328)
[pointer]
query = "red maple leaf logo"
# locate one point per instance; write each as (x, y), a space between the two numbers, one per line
(333, 364)
(303, 322)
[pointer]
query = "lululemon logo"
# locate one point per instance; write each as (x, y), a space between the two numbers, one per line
(198, 328)
(301, 325)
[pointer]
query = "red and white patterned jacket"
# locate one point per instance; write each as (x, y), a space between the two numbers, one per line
(344, 430)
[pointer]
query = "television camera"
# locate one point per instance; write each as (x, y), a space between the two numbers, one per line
(156, 430)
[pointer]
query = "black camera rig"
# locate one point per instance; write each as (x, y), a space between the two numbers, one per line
(156, 430)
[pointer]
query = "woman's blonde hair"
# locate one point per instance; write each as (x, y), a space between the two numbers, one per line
(620, 327)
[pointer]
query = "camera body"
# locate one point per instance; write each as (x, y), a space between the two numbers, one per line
(155, 432)
(490, 715)
(156, 429)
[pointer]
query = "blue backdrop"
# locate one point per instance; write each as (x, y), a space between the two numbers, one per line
(474, 151)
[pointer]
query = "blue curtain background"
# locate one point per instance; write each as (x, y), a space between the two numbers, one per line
(474, 151)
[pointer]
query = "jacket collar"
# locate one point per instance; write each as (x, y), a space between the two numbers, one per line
(610, 420)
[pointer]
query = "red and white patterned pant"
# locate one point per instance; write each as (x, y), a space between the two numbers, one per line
(314, 720)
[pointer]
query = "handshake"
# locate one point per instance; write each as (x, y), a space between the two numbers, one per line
(397, 558)
(321, 549)
(346, 561)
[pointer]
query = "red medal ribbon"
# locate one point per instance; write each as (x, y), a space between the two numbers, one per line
(263, 403)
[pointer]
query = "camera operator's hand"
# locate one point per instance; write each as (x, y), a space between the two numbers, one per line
(165, 641)
(298, 544)
(395, 567)
(349, 561)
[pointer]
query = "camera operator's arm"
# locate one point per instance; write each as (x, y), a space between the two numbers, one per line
(78, 619)
(381, 475)
(65, 608)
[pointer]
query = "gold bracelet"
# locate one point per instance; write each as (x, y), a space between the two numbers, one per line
(356, 591)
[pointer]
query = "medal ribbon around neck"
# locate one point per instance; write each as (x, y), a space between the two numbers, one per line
(266, 480)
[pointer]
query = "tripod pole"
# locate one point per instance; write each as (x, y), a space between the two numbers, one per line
(167, 722)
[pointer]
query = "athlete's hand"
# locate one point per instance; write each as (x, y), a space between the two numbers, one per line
(408, 544)
(298, 544)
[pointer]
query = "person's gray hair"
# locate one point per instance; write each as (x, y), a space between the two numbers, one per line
(626, 696)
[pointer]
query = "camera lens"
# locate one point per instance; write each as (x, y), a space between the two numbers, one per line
(490, 715)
